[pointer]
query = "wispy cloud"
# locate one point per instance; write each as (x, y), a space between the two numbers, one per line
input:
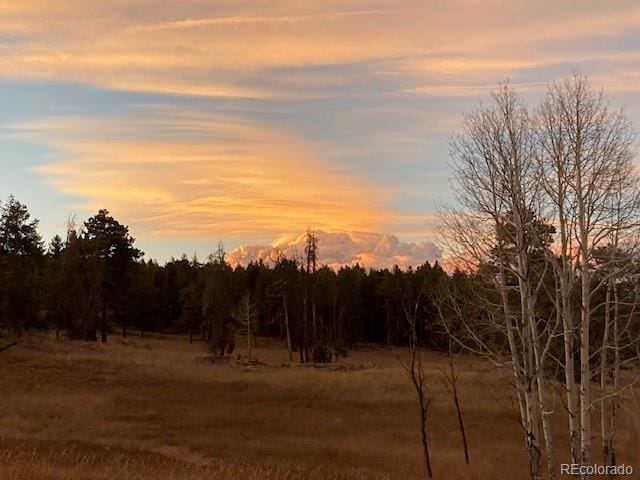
(191, 175)
(211, 49)
(251, 20)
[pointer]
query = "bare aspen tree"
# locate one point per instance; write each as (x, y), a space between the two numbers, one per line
(616, 273)
(246, 314)
(475, 318)
(556, 173)
(551, 199)
(498, 190)
(586, 162)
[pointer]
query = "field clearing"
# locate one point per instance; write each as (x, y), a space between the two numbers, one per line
(143, 409)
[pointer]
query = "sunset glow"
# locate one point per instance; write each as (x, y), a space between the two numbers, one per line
(247, 121)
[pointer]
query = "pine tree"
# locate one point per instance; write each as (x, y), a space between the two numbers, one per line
(111, 246)
(21, 254)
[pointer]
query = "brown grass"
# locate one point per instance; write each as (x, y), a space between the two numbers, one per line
(143, 409)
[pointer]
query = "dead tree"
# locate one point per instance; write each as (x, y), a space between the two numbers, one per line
(451, 384)
(311, 254)
(416, 374)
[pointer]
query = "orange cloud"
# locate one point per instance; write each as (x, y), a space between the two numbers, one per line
(199, 48)
(177, 174)
(338, 248)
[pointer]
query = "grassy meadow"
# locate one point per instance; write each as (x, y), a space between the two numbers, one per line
(142, 408)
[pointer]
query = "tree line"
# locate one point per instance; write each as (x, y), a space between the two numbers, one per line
(95, 282)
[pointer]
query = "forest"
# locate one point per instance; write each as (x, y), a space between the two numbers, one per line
(95, 283)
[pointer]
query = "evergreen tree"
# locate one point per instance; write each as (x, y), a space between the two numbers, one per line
(21, 254)
(111, 247)
(218, 304)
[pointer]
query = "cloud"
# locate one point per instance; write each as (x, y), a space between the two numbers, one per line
(284, 114)
(335, 249)
(219, 48)
(174, 173)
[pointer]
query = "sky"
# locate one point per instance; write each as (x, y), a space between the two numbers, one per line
(249, 121)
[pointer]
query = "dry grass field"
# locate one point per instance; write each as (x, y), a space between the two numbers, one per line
(143, 409)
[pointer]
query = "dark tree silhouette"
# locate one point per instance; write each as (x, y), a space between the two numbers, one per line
(21, 255)
(111, 247)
